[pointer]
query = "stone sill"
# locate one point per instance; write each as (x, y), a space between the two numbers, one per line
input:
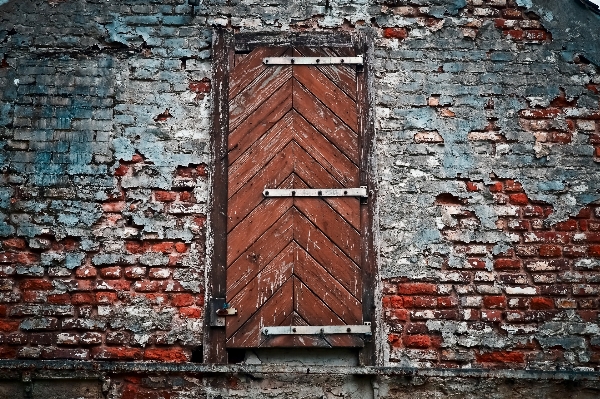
(97, 369)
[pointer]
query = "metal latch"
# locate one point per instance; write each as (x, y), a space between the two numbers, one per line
(218, 308)
(317, 192)
(312, 60)
(318, 330)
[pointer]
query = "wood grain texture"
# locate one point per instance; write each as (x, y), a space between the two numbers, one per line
(293, 261)
(250, 67)
(328, 93)
(325, 121)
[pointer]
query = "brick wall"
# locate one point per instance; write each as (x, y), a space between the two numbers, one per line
(487, 144)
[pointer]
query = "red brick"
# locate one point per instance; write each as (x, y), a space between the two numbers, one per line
(9, 325)
(500, 23)
(446, 302)
(472, 186)
(8, 353)
(496, 187)
(416, 288)
(115, 206)
(542, 303)
(59, 299)
(533, 211)
(147, 286)
(515, 34)
(83, 299)
(512, 186)
(395, 33)
(190, 312)
(594, 250)
(15, 243)
(182, 300)
(200, 86)
(166, 355)
(37, 284)
(395, 340)
(110, 353)
(18, 258)
(112, 272)
(165, 196)
(136, 247)
(417, 341)
(494, 302)
(507, 264)
(121, 170)
(86, 272)
(550, 251)
(164, 247)
(494, 316)
(588, 315)
(186, 196)
(535, 34)
(135, 272)
(518, 199)
(181, 247)
(567, 225)
(500, 357)
(398, 314)
(393, 301)
(112, 285)
(106, 297)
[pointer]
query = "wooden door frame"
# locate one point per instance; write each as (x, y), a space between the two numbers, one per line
(225, 44)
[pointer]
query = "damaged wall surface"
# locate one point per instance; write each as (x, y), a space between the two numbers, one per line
(486, 162)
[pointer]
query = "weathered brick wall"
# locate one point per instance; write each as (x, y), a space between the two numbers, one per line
(487, 142)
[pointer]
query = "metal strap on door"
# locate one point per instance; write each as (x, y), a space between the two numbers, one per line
(318, 330)
(317, 192)
(313, 60)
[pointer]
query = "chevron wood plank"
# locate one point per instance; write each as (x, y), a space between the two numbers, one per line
(260, 121)
(332, 225)
(245, 103)
(325, 293)
(325, 121)
(272, 313)
(344, 76)
(344, 341)
(260, 219)
(250, 195)
(328, 93)
(326, 253)
(324, 152)
(260, 253)
(315, 176)
(258, 290)
(250, 67)
(311, 308)
(260, 153)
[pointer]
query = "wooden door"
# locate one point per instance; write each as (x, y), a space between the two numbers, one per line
(292, 260)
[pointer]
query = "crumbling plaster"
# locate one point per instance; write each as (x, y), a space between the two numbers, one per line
(126, 64)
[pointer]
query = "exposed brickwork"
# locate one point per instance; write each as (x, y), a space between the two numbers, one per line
(547, 270)
(480, 113)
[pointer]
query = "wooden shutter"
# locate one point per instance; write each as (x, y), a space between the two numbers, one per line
(293, 260)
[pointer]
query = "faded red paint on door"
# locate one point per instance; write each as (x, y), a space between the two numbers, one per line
(292, 261)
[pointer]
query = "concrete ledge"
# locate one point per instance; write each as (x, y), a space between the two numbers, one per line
(88, 369)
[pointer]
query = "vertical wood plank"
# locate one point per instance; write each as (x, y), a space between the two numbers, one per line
(367, 134)
(222, 53)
